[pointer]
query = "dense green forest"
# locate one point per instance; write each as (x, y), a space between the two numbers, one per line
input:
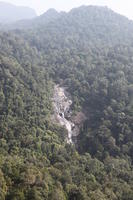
(90, 51)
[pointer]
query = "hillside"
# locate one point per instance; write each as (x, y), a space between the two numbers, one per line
(11, 13)
(89, 52)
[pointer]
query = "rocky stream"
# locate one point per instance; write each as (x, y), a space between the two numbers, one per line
(62, 110)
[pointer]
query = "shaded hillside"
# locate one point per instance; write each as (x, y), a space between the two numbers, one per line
(89, 50)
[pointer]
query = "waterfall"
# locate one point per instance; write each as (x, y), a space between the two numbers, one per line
(62, 105)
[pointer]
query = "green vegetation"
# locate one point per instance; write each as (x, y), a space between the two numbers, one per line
(89, 50)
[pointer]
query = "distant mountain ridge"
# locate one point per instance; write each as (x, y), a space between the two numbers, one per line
(75, 15)
(88, 52)
(10, 13)
(49, 16)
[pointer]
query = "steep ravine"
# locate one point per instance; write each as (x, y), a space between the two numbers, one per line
(62, 110)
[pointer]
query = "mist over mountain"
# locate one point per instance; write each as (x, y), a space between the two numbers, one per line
(87, 56)
(11, 13)
(49, 16)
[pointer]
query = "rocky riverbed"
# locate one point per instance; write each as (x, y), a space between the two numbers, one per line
(63, 114)
(62, 110)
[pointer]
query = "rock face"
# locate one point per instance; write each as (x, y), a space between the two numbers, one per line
(62, 111)
(63, 115)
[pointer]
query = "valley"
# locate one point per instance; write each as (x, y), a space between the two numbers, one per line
(66, 106)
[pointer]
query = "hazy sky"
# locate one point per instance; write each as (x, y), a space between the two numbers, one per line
(124, 7)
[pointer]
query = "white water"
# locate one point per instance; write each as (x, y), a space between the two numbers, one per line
(61, 107)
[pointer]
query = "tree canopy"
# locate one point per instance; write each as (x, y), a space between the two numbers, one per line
(90, 51)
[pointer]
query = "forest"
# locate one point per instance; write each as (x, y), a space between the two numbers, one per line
(89, 50)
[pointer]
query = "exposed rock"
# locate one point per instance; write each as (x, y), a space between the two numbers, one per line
(63, 115)
(62, 105)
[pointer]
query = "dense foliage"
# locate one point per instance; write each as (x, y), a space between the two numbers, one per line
(90, 50)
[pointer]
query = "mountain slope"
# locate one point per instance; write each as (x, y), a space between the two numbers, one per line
(11, 13)
(88, 24)
(89, 51)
